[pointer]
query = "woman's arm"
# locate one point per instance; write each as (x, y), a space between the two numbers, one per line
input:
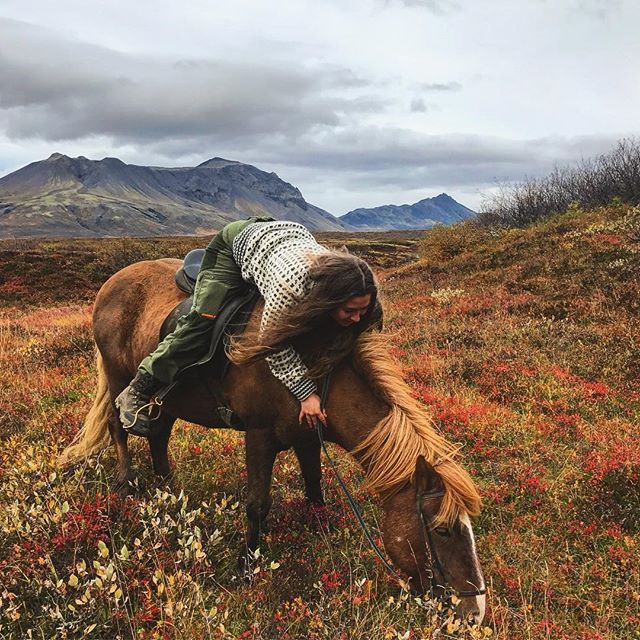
(287, 366)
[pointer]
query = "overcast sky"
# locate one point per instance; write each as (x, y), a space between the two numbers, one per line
(356, 102)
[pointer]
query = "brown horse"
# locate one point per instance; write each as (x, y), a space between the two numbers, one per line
(426, 531)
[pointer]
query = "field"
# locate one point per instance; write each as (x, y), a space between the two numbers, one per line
(524, 345)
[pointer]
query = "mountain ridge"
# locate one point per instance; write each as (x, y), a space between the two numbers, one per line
(424, 214)
(78, 197)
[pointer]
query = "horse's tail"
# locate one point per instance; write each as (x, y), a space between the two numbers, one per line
(94, 434)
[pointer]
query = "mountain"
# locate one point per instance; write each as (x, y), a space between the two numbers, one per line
(78, 197)
(442, 209)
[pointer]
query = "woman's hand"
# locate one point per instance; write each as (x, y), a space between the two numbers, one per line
(310, 410)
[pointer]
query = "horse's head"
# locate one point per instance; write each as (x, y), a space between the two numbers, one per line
(442, 559)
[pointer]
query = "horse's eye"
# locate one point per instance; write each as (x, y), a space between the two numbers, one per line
(443, 531)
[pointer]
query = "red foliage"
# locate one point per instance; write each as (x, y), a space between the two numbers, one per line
(87, 526)
(622, 457)
(331, 580)
(228, 448)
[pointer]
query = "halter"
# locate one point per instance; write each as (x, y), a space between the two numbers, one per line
(425, 528)
(432, 553)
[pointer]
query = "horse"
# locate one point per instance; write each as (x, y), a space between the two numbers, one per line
(425, 494)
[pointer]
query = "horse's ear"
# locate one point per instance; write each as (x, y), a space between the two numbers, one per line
(427, 479)
(343, 249)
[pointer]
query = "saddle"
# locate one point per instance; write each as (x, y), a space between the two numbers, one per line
(231, 321)
(187, 274)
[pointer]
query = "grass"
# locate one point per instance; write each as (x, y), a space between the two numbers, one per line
(522, 344)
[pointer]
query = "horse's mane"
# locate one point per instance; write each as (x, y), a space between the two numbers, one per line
(391, 449)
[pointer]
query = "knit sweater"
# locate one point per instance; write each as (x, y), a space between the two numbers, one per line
(275, 256)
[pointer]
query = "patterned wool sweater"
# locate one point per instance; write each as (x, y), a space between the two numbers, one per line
(275, 256)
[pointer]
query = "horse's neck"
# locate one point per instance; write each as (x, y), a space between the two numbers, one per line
(352, 408)
(354, 411)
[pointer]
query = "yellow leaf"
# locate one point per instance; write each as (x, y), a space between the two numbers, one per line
(73, 580)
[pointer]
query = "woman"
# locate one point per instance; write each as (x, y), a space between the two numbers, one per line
(305, 286)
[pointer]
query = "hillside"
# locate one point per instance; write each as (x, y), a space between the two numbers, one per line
(442, 209)
(78, 197)
(522, 344)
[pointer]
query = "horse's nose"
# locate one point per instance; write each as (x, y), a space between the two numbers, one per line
(471, 608)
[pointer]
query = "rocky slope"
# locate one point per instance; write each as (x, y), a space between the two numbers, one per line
(78, 197)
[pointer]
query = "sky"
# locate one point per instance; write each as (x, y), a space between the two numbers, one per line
(358, 103)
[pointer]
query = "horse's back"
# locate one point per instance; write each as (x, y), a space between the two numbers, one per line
(129, 310)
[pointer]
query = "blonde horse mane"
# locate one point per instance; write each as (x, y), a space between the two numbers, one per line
(390, 451)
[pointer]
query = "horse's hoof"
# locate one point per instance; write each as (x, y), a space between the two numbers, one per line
(316, 501)
(245, 564)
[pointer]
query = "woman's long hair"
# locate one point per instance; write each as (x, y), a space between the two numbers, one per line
(336, 277)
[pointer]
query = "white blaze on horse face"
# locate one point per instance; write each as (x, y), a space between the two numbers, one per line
(480, 600)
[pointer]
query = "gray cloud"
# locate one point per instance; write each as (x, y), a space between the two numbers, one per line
(439, 7)
(418, 105)
(599, 9)
(439, 86)
(397, 160)
(77, 90)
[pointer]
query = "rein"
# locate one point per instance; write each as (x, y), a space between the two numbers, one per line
(350, 499)
(432, 554)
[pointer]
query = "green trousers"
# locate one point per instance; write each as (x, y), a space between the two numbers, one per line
(218, 279)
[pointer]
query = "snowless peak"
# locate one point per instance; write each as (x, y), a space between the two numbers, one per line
(441, 209)
(216, 163)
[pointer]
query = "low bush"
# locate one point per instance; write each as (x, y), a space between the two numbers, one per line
(611, 178)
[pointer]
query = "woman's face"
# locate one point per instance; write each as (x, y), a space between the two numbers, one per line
(351, 310)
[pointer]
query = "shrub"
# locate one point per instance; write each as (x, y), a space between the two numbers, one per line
(611, 178)
(443, 242)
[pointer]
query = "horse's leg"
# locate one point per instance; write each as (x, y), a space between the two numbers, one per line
(260, 450)
(308, 456)
(158, 445)
(119, 436)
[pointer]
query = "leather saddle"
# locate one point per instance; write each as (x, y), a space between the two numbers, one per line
(187, 274)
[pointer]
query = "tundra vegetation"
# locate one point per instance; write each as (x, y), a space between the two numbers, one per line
(522, 343)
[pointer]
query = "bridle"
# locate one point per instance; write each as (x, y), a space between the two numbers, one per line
(425, 527)
(432, 552)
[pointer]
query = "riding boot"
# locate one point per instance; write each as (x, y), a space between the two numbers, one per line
(136, 410)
